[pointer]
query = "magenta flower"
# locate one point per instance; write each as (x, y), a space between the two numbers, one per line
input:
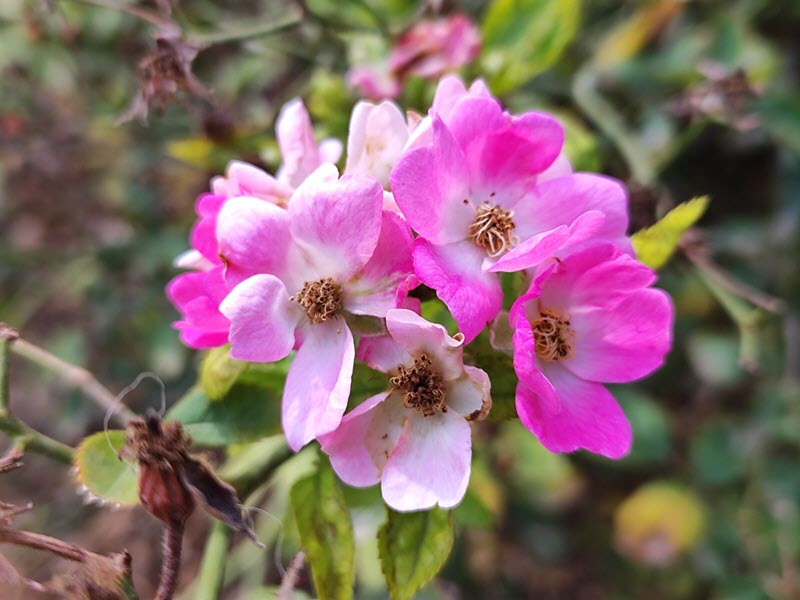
(298, 272)
(586, 320)
(414, 438)
(475, 198)
(197, 296)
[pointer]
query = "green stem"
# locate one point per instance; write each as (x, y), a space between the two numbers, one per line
(4, 395)
(139, 13)
(211, 578)
(609, 121)
(243, 32)
(30, 439)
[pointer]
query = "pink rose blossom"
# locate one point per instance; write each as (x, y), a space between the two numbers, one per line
(428, 50)
(414, 438)
(476, 199)
(586, 320)
(297, 273)
(189, 291)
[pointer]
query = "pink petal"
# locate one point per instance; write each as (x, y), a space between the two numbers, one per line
(527, 371)
(560, 168)
(431, 184)
(253, 238)
(589, 417)
(382, 353)
(431, 463)
(263, 319)
(375, 290)
(625, 342)
(296, 141)
(455, 271)
(416, 336)
(338, 223)
(545, 245)
(595, 276)
(197, 297)
(330, 150)
(204, 234)
(361, 445)
(469, 395)
(561, 201)
(318, 385)
(244, 179)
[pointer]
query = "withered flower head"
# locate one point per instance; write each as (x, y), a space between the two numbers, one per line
(171, 479)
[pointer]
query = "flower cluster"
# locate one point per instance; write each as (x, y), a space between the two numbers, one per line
(451, 201)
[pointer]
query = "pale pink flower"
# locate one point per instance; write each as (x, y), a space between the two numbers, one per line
(197, 297)
(374, 81)
(475, 198)
(586, 320)
(298, 273)
(414, 438)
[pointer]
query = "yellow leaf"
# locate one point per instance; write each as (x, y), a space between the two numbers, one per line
(629, 37)
(196, 151)
(654, 245)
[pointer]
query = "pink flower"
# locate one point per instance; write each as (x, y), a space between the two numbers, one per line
(188, 292)
(476, 199)
(586, 320)
(431, 49)
(298, 272)
(428, 50)
(414, 438)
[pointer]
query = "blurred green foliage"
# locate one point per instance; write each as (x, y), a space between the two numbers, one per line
(679, 99)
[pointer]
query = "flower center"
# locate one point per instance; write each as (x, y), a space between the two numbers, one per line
(320, 299)
(423, 387)
(553, 335)
(493, 229)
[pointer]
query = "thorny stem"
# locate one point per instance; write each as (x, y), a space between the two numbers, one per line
(77, 377)
(172, 543)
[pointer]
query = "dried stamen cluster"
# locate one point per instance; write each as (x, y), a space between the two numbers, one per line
(493, 229)
(320, 299)
(423, 387)
(553, 335)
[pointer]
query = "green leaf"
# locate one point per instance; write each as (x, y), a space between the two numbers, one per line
(326, 532)
(655, 245)
(100, 470)
(248, 413)
(413, 549)
(522, 38)
(218, 372)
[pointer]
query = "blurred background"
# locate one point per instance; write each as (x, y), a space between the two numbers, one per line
(677, 98)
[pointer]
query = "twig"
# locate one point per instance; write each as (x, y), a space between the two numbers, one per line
(136, 11)
(44, 542)
(286, 591)
(77, 377)
(702, 261)
(171, 560)
(237, 33)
